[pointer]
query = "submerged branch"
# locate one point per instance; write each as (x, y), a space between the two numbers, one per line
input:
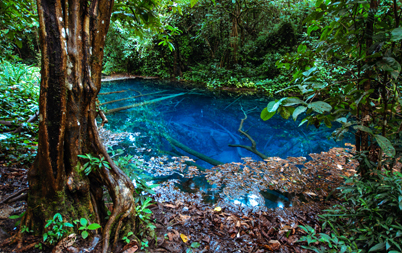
(253, 147)
(122, 99)
(192, 152)
(143, 103)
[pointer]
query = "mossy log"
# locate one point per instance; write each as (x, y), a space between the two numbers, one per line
(143, 103)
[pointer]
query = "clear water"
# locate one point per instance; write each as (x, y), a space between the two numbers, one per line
(207, 123)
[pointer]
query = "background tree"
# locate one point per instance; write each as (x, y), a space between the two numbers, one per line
(364, 97)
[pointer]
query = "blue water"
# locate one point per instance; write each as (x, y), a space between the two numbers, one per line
(207, 123)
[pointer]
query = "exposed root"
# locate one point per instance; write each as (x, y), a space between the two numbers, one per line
(13, 239)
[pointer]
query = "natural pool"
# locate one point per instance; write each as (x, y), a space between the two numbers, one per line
(207, 123)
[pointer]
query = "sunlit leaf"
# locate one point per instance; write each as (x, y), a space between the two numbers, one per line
(184, 238)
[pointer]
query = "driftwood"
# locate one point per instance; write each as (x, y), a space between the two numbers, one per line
(143, 103)
(192, 152)
(122, 99)
(253, 147)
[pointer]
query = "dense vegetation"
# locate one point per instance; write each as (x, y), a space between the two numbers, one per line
(341, 59)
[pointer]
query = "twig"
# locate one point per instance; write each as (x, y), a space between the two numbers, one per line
(233, 102)
(14, 195)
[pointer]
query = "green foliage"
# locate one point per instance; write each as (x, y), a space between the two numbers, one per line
(85, 227)
(17, 26)
(57, 229)
(368, 220)
(93, 163)
(334, 243)
(126, 238)
(25, 229)
(350, 75)
(19, 94)
(193, 247)
(13, 217)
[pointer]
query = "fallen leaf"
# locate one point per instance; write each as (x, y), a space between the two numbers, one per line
(184, 238)
(217, 209)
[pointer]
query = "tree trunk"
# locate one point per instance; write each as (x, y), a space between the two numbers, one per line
(72, 36)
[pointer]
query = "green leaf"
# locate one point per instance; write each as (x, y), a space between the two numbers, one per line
(45, 237)
(396, 34)
(327, 122)
(83, 222)
(385, 145)
(285, 112)
(265, 115)
(292, 101)
(308, 72)
(195, 245)
(14, 217)
(378, 247)
(363, 128)
(94, 226)
(298, 111)
(84, 234)
(389, 64)
(320, 106)
(69, 225)
(193, 2)
(273, 107)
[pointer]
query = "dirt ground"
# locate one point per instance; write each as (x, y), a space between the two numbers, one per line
(183, 224)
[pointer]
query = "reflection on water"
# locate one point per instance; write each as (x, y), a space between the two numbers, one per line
(208, 124)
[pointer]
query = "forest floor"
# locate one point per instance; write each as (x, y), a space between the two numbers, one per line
(183, 224)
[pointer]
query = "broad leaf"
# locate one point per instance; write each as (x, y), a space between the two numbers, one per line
(94, 226)
(385, 145)
(83, 222)
(363, 128)
(292, 101)
(273, 107)
(378, 247)
(265, 115)
(396, 34)
(320, 106)
(391, 65)
(298, 111)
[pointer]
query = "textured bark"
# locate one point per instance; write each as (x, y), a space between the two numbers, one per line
(72, 36)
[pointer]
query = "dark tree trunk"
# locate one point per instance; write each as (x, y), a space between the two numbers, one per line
(72, 36)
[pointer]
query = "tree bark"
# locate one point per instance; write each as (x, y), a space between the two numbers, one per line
(72, 36)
